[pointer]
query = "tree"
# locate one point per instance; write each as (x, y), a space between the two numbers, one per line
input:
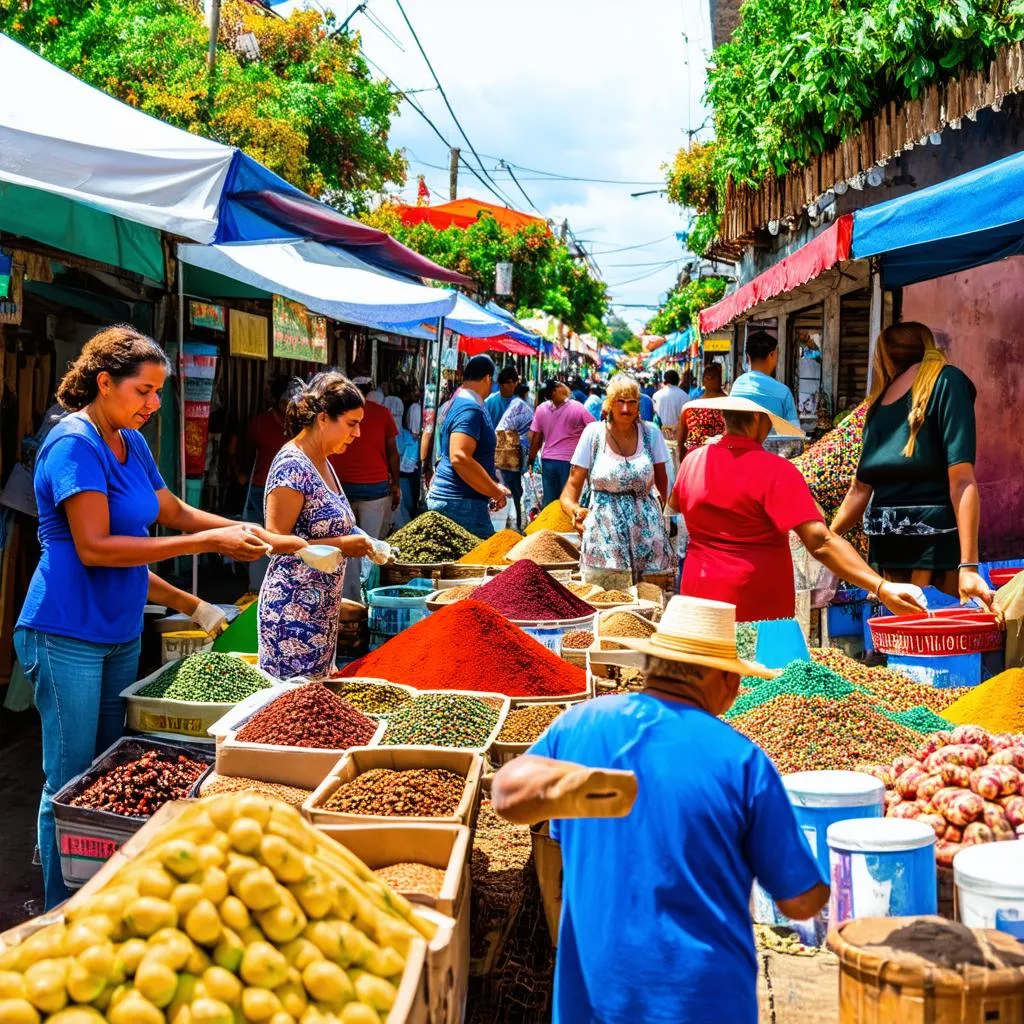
(619, 332)
(306, 107)
(683, 304)
(632, 347)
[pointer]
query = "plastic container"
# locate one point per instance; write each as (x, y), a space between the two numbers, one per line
(1000, 577)
(549, 633)
(989, 881)
(390, 613)
(946, 632)
(846, 619)
(182, 643)
(881, 867)
(780, 641)
(955, 670)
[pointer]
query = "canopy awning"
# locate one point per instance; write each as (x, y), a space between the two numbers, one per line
(472, 320)
(810, 260)
(977, 217)
(460, 213)
(476, 346)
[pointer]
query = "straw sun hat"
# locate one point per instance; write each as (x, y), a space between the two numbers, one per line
(737, 404)
(698, 632)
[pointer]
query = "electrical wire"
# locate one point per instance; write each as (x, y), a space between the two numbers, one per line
(653, 263)
(521, 189)
(642, 277)
(630, 248)
(569, 177)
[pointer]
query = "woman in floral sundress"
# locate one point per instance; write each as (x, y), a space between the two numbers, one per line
(299, 605)
(624, 536)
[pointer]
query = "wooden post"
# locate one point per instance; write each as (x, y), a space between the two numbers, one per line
(453, 174)
(830, 346)
(784, 372)
(874, 319)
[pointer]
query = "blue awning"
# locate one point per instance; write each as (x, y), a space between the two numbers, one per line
(471, 320)
(954, 225)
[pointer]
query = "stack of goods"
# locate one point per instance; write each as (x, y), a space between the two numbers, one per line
(468, 646)
(524, 725)
(138, 788)
(622, 624)
(966, 784)
(578, 640)
(552, 517)
(372, 698)
(432, 537)
(415, 793)
(291, 795)
(493, 550)
(526, 593)
(544, 547)
(453, 594)
(650, 592)
(207, 677)
(309, 716)
(442, 720)
(406, 876)
(198, 933)
(997, 704)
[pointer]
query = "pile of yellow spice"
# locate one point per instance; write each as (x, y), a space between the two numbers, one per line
(996, 704)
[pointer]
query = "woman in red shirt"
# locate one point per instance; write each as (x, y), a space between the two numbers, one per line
(739, 503)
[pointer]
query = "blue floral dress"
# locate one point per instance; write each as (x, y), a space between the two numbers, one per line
(298, 609)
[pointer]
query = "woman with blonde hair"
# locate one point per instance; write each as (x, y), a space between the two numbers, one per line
(915, 487)
(623, 531)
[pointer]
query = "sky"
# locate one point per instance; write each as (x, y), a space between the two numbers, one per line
(597, 89)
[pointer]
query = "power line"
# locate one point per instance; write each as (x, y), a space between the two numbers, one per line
(653, 263)
(572, 177)
(629, 248)
(642, 277)
(520, 187)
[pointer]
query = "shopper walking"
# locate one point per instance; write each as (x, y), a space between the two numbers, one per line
(698, 425)
(558, 424)
(595, 400)
(516, 422)
(759, 383)
(669, 400)
(497, 403)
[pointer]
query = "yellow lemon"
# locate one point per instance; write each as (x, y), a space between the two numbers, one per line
(44, 985)
(234, 913)
(148, 914)
(83, 986)
(98, 959)
(154, 881)
(171, 947)
(258, 890)
(202, 923)
(214, 883)
(245, 835)
(252, 805)
(18, 1011)
(47, 944)
(223, 985)
(327, 982)
(76, 1015)
(300, 952)
(229, 951)
(283, 922)
(212, 856)
(375, 992)
(263, 966)
(12, 985)
(185, 897)
(358, 1013)
(134, 1008)
(180, 857)
(156, 981)
(259, 1004)
(293, 998)
(325, 935)
(128, 957)
(211, 1011)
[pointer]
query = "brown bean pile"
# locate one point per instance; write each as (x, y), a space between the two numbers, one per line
(501, 855)
(611, 597)
(625, 624)
(578, 640)
(138, 788)
(310, 716)
(415, 793)
(545, 548)
(453, 594)
(407, 876)
(238, 784)
(525, 724)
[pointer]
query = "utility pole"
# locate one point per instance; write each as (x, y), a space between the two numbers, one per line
(213, 17)
(453, 174)
(564, 233)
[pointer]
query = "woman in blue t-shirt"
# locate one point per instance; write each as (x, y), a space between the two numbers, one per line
(98, 492)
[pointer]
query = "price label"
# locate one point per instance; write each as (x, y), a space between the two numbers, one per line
(152, 722)
(87, 847)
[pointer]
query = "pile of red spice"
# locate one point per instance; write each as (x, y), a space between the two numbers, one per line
(525, 592)
(310, 716)
(468, 646)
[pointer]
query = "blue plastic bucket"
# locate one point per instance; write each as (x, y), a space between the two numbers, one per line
(846, 619)
(780, 641)
(390, 613)
(881, 867)
(940, 672)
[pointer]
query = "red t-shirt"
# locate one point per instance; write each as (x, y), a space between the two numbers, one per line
(267, 434)
(365, 460)
(740, 502)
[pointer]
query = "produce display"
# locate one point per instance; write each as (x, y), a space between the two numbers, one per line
(544, 547)
(493, 550)
(239, 784)
(138, 788)
(207, 677)
(432, 537)
(237, 910)
(578, 640)
(996, 704)
(309, 716)
(525, 592)
(468, 646)
(525, 724)
(611, 597)
(407, 876)
(967, 784)
(441, 720)
(551, 517)
(453, 594)
(622, 623)
(372, 698)
(414, 793)
(583, 590)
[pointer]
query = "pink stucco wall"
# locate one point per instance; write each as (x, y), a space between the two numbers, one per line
(978, 319)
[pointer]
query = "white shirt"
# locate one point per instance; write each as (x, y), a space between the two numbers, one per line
(414, 419)
(668, 404)
(395, 406)
(593, 431)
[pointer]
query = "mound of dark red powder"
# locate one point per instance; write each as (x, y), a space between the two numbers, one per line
(527, 593)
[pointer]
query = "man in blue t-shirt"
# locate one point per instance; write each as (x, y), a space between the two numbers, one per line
(759, 383)
(655, 905)
(497, 402)
(465, 484)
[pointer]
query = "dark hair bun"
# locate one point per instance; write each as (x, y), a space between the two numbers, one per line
(329, 392)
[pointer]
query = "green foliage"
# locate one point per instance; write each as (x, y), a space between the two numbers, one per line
(690, 177)
(307, 108)
(632, 346)
(619, 332)
(684, 303)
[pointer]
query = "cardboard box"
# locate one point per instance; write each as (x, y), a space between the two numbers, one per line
(447, 968)
(496, 700)
(502, 753)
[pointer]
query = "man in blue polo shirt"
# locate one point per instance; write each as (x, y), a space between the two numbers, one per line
(759, 383)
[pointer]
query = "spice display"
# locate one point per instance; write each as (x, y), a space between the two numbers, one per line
(582, 590)
(468, 646)
(238, 784)
(442, 720)
(432, 537)
(947, 944)
(215, 936)
(524, 725)
(578, 640)
(207, 677)
(525, 592)
(309, 716)
(650, 592)
(624, 624)
(453, 594)
(373, 698)
(406, 876)
(138, 788)
(544, 547)
(612, 597)
(996, 704)
(746, 640)
(498, 863)
(551, 517)
(415, 793)
(493, 550)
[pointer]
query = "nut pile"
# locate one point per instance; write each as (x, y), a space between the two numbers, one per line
(453, 594)
(544, 547)
(407, 876)
(442, 720)
(525, 724)
(239, 784)
(207, 677)
(310, 716)
(414, 793)
(578, 639)
(373, 698)
(138, 788)
(583, 590)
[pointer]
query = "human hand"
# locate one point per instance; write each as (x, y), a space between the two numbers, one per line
(357, 545)
(499, 502)
(579, 518)
(209, 618)
(396, 496)
(972, 585)
(239, 543)
(899, 598)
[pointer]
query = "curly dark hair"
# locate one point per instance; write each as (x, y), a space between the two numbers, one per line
(329, 392)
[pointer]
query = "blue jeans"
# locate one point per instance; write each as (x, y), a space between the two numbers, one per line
(513, 480)
(470, 513)
(554, 474)
(77, 692)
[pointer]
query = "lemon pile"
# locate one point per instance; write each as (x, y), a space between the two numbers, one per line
(237, 911)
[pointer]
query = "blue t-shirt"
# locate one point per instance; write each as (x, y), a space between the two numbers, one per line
(580, 396)
(655, 906)
(496, 407)
(593, 405)
(646, 408)
(465, 416)
(99, 604)
(766, 391)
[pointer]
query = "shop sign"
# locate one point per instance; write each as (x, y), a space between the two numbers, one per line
(502, 278)
(298, 334)
(717, 344)
(13, 305)
(200, 369)
(206, 314)
(247, 335)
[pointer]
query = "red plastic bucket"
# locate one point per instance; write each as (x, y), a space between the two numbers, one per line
(949, 631)
(1000, 577)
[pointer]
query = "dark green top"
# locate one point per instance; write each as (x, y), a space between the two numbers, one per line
(922, 533)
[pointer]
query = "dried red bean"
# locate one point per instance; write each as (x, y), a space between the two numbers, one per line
(310, 716)
(139, 788)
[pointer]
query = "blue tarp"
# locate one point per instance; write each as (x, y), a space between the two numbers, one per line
(954, 225)
(471, 320)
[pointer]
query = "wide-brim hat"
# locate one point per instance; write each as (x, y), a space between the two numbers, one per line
(698, 632)
(733, 403)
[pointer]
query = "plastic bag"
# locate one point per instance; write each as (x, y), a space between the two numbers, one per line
(1010, 601)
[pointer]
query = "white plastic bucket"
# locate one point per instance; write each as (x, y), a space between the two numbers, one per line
(881, 867)
(549, 634)
(989, 881)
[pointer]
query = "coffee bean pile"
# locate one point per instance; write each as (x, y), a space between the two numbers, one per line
(239, 784)
(373, 698)
(407, 876)
(442, 720)
(578, 639)
(207, 677)
(309, 716)
(525, 724)
(140, 787)
(415, 793)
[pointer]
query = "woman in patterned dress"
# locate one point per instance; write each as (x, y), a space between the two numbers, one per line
(298, 609)
(624, 536)
(698, 426)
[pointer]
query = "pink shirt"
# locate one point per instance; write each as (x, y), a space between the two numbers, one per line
(561, 428)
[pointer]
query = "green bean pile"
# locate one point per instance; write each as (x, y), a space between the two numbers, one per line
(206, 678)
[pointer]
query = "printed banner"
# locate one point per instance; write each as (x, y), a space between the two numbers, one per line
(247, 335)
(207, 314)
(717, 344)
(200, 369)
(298, 334)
